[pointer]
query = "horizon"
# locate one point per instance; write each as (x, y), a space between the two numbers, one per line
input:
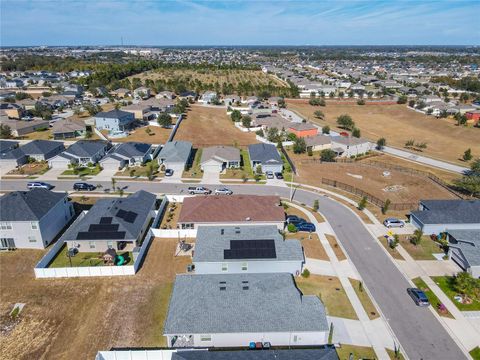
(263, 23)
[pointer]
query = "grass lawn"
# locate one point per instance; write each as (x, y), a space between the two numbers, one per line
(194, 171)
(84, 171)
(365, 300)
(287, 169)
(395, 254)
(391, 353)
(359, 352)
(82, 259)
(39, 135)
(423, 251)
(336, 248)
(419, 283)
(244, 172)
(311, 244)
(35, 168)
(475, 353)
(330, 291)
(446, 284)
(160, 298)
(138, 171)
(148, 134)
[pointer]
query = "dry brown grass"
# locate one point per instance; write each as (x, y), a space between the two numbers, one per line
(398, 124)
(206, 126)
(311, 244)
(332, 240)
(367, 303)
(38, 135)
(75, 318)
(158, 135)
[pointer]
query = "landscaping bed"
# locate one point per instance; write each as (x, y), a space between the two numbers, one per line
(447, 285)
(35, 168)
(434, 301)
(170, 217)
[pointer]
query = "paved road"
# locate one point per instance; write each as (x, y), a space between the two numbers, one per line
(419, 332)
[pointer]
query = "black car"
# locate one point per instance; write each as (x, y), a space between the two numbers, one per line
(279, 175)
(295, 220)
(81, 186)
(168, 172)
(418, 296)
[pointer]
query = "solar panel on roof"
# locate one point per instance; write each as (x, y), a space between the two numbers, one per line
(103, 227)
(250, 249)
(130, 217)
(121, 213)
(105, 220)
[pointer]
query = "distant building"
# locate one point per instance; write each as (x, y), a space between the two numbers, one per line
(114, 120)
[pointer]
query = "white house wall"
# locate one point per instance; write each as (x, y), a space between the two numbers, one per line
(280, 225)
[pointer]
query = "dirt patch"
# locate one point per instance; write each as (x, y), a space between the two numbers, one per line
(332, 240)
(63, 318)
(399, 124)
(207, 126)
(147, 134)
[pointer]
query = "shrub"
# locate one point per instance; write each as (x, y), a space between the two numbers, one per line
(306, 273)
(362, 203)
(292, 228)
(385, 206)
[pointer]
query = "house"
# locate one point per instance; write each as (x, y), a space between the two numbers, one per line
(165, 95)
(11, 158)
(231, 210)
(32, 219)
(112, 223)
(265, 155)
(188, 95)
(68, 128)
(464, 249)
(7, 145)
(142, 92)
(121, 93)
(139, 111)
(114, 120)
(269, 121)
(232, 310)
(82, 152)
(21, 127)
(231, 99)
(42, 150)
(175, 155)
(318, 142)
(245, 249)
(301, 129)
(437, 216)
(347, 146)
(208, 97)
(219, 158)
(127, 154)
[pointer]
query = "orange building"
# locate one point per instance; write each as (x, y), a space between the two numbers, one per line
(303, 129)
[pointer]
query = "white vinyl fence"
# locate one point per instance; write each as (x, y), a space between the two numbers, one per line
(174, 233)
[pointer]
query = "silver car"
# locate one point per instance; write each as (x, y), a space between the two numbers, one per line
(393, 222)
(223, 191)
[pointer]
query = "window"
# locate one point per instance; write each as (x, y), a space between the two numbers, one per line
(205, 338)
(224, 267)
(92, 244)
(6, 226)
(110, 244)
(244, 266)
(7, 243)
(34, 225)
(32, 239)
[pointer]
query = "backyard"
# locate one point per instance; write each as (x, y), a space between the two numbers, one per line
(147, 134)
(84, 259)
(208, 126)
(63, 318)
(398, 124)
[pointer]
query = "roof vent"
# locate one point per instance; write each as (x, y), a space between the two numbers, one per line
(245, 287)
(248, 218)
(237, 230)
(222, 231)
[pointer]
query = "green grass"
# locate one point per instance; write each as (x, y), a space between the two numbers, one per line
(158, 306)
(434, 301)
(245, 171)
(194, 171)
(393, 252)
(423, 251)
(85, 171)
(140, 170)
(82, 259)
(391, 353)
(446, 284)
(287, 170)
(475, 353)
(358, 352)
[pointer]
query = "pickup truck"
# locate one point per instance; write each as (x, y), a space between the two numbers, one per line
(199, 190)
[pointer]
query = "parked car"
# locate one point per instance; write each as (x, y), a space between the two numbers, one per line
(82, 186)
(223, 191)
(393, 222)
(199, 190)
(279, 175)
(39, 185)
(294, 219)
(168, 172)
(269, 175)
(418, 296)
(305, 226)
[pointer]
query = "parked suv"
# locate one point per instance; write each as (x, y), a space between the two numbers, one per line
(223, 191)
(305, 226)
(418, 296)
(393, 222)
(81, 186)
(39, 185)
(199, 190)
(294, 219)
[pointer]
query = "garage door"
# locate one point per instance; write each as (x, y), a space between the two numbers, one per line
(110, 165)
(58, 164)
(211, 168)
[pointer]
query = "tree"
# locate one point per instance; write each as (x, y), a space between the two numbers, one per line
(114, 183)
(467, 155)
(475, 167)
(362, 203)
(356, 132)
(461, 119)
(464, 97)
(236, 115)
(164, 120)
(381, 143)
(345, 121)
(411, 103)
(327, 155)
(299, 146)
(319, 114)
(394, 242)
(465, 284)
(281, 103)
(5, 131)
(402, 99)
(360, 102)
(273, 135)
(326, 129)
(416, 238)
(316, 205)
(385, 206)
(469, 184)
(246, 121)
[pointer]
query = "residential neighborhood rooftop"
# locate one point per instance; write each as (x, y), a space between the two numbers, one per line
(327, 353)
(449, 212)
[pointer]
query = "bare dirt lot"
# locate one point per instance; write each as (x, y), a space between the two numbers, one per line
(398, 124)
(399, 187)
(75, 318)
(208, 126)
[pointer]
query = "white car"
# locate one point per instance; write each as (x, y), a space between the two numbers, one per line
(270, 175)
(393, 222)
(223, 191)
(39, 185)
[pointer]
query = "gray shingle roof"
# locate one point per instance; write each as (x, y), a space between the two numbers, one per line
(86, 148)
(132, 149)
(210, 243)
(264, 153)
(348, 141)
(449, 212)
(468, 244)
(7, 145)
(113, 114)
(221, 153)
(327, 353)
(41, 147)
(28, 205)
(272, 303)
(176, 151)
(12, 154)
(141, 203)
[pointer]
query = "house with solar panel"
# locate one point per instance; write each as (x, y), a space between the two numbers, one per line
(246, 249)
(112, 223)
(234, 310)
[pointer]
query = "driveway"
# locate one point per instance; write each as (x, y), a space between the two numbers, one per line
(211, 176)
(51, 174)
(176, 178)
(104, 175)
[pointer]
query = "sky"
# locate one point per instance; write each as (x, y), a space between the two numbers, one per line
(254, 22)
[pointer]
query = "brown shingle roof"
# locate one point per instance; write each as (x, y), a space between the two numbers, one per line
(228, 209)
